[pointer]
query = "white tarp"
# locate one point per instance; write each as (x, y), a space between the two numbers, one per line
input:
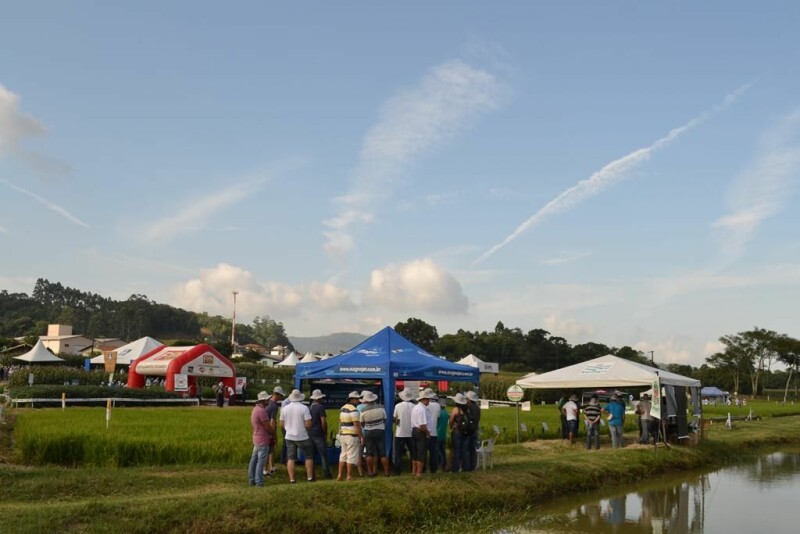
(483, 367)
(603, 372)
(127, 353)
(291, 361)
(39, 354)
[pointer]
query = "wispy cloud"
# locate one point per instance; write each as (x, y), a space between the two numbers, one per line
(50, 205)
(609, 175)
(16, 128)
(762, 190)
(565, 258)
(447, 100)
(198, 213)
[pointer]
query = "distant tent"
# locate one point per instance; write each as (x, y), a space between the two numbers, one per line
(529, 376)
(128, 353)
(309, 358)
(39, 354)
(290, 361)
(711, 391)
(324, 357)
(483, 367)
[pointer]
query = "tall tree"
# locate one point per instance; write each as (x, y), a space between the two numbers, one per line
(788, 351)
(269, 333)
(418, 332)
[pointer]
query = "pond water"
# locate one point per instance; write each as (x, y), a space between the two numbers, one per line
(757, 496)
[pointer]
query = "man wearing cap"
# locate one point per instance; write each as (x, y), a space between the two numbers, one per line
(402, 434)
(420, 432)
(219, 391)
(319, 430)
(474, 422)
(272, 413)
(616, 418)
(373, 423)
(261, 428)
(433, 446)
(350, 436)
(570, 411)
(296, 420)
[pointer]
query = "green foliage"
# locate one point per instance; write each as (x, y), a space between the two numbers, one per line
(56, 375)
(418, 332)
(91, 392)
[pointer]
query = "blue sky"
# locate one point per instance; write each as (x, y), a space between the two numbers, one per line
(624, 173)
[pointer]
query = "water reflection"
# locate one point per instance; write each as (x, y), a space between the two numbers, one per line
(736, 499)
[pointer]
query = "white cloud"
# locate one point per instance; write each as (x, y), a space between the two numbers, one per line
(607, 176)
(3, 230)
(712, 347)
(448, 99)
(49, 205)
(16, 128)
(212, 292)
(567, 328)
(416, 286)
(762, 190)
(669, 351)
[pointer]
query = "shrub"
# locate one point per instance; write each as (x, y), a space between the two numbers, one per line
(57, 374)
(90, 392)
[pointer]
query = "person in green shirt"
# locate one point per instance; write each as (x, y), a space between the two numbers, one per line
(441, 433)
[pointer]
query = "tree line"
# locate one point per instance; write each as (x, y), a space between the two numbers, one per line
(95, 316)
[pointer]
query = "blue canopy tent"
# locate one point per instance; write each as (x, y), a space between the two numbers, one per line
(386, 356)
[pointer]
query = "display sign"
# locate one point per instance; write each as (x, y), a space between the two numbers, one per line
(655, 408)
(181, 382)
(241, 383)
(515, 393)
(110, 360)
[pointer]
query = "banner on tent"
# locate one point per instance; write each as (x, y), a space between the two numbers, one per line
(181, 382)
(655, 408)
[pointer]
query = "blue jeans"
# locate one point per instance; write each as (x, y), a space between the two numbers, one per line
(459, 453)
(593, 433)
(321, 448)
(616, 436)
(471, 454)
(258, 460)
(399, 450)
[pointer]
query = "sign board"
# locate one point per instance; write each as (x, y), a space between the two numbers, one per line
(655, 408)
(30, 379)
(241, 383)
(110, 360)
(526, 406)
(515, 393)
(181, 382)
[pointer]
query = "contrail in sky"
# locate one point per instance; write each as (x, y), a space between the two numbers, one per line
(56, 208)
(609, 175)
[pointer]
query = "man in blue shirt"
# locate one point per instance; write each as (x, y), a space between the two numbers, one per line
(616, 419)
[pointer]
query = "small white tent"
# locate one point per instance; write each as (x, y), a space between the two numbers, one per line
(39, 354)
(603, 372)
(127, 353)
(309, 358)
(291, 361)
(483, 367)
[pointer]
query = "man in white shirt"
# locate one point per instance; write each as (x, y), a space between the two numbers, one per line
(433, 446)
(296, 420)
(420, 424)
(402, 434)
(570, 410)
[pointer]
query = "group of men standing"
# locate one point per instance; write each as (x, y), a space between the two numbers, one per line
(615, 413)
(421, 429)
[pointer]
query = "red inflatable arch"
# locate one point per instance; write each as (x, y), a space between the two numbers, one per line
(197, 361)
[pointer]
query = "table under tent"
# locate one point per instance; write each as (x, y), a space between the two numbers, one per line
(389, 357)
(672, 394)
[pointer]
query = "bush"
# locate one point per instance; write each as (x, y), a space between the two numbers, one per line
(57, 374)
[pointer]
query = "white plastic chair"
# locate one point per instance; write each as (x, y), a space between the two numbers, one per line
(486, 453)
(545, 429)
(523, 428)
(496, 430)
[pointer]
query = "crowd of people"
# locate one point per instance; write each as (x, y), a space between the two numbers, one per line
(421, 424)
(614, 413)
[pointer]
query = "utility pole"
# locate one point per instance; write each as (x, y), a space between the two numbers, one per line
(233, 325)
(651, 355)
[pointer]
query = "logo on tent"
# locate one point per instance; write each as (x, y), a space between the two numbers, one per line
(597, 368)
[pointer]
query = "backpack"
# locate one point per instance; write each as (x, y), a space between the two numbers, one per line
(470, 424)
(460, 422)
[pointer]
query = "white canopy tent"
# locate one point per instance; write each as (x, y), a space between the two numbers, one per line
(603, 372)
(309, 358)
(291, 361)
(128, 353)
(39, 354)
(483, 367)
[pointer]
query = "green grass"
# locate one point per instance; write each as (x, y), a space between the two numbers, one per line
(204, 498)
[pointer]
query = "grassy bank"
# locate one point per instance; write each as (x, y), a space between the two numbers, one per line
(210, 499)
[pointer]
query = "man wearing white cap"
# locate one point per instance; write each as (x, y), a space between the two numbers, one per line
(402, 433)
(373, 423)
(296, 420)
(350, 436)
(319, 430)
(261, 427)
(473, 424)
(433, 446)
(421, 423)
